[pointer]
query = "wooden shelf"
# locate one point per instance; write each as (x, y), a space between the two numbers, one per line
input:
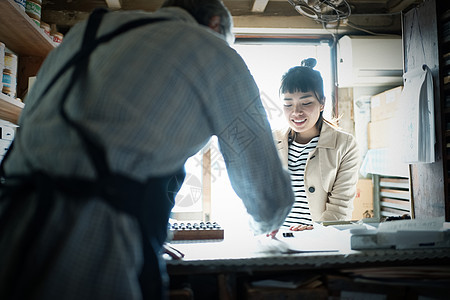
(20, 33)
(10, 108)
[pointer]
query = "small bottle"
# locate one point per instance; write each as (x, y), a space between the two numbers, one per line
(7, 91)
(22, 4)
(46, 28)
(38, 22)
(33, 9)
(57, 37)
(11, 62)
(2, 56)
(9, 83)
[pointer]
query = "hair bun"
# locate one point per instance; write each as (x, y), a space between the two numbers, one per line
(309, 62)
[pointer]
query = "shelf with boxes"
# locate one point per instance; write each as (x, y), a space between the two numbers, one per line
(7, 133)
(391, 193)
(21, 34)
(10, 108)
(383, 109)
(22, 37)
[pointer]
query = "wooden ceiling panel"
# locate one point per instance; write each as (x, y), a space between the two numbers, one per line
(148, 5)
(72, 5)
(65, 13)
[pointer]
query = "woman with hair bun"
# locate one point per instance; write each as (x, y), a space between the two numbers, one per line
(323, 160)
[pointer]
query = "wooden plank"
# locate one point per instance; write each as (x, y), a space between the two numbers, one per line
(206, 185)
(388, 214)
(398, 194)
(259, 6)
(411, 200)
(397, 201)
(385, 205)
(392, 212)
(376, 196)
(10, 108)
(114, 4)
(394, 203)
(20, 33)
(402, 183)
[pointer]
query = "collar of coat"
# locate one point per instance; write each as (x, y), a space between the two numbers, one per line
(328, 136)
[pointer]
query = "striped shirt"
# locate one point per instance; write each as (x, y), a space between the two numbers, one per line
(297, 156)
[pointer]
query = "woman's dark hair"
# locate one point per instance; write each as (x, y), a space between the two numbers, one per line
(204, 10)
(304, 79)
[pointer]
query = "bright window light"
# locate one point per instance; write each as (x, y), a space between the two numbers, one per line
(267, 62)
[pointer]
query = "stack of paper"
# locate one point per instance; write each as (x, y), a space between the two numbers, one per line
(417, 116)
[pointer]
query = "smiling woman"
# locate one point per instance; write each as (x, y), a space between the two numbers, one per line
(322, 159)
(267, 61)
(302, 111)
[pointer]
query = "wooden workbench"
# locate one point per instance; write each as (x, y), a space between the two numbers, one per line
(226, 269)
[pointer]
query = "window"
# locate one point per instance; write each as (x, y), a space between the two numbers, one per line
(207, 193)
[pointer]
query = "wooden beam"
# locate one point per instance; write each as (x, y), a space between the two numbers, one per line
(206, 185)
(259, 6)
(114, 4)
(301, 25)
(64, 18)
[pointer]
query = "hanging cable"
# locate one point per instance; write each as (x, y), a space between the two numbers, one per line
(325, 11)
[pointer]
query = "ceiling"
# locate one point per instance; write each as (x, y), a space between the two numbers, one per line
(258, 17)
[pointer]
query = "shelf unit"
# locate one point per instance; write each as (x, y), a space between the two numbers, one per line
(392, 196)
(10, 108)
(21, 35)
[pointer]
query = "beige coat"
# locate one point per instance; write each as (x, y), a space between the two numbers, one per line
(331, 173)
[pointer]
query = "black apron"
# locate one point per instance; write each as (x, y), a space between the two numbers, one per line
(150, 202)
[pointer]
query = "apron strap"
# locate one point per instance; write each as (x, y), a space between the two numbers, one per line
(89, 45)
(96, 153)
(149, 202)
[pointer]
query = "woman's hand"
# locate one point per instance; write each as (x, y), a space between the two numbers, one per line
(301, 227)
(272, 234)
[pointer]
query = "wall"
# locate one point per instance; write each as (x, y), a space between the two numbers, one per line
(421, 47)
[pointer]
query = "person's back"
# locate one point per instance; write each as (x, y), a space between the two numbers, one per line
(94, 169)
(141, 90)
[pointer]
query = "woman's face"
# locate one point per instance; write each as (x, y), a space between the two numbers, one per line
(302, 110)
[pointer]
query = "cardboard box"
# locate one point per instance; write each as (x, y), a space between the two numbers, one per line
(384, 134)
(384, 105)
(363, 203)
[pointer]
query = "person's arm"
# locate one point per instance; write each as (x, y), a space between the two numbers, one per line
(253, 165)
(255, 170)
(340, 203)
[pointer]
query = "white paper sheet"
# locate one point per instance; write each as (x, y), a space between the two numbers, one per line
(417, 117)
(321, 238)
